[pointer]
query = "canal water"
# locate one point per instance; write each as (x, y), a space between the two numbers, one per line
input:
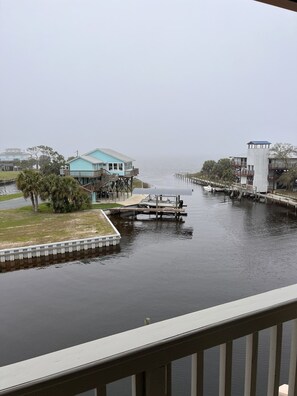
(222, 251)
(9, 188)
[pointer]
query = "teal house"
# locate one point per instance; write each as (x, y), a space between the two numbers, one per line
(103, 172)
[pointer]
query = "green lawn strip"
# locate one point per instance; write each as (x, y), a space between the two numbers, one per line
(8, 175)
(23, 227)
(105, 206)
(10, 196)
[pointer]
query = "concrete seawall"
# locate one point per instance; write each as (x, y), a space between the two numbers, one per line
(29, 256)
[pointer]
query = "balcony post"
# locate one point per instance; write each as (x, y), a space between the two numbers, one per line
(138, 384)
(225, 369)
(274, 360)
(197, 374)
(158, 381)
(251, 360)
(100, 391)
(155, 382)
(293, 361)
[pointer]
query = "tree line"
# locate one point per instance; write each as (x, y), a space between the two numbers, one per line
(42, 158)
(221, 170)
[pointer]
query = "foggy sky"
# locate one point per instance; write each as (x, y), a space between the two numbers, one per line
(147, 77)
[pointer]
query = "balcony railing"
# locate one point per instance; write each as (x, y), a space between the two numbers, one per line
(244, 172)
(279, 164)
(80, 174)
(97, 173)
(146, 353)
(132, 172)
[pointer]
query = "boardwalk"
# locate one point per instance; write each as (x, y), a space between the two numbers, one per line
(237, 190)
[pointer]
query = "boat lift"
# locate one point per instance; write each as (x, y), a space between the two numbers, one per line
(163, 200)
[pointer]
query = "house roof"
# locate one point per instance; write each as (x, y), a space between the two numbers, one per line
(91, 159)
(258, 142)
(288, 4)
(112, 153)
(87, 158)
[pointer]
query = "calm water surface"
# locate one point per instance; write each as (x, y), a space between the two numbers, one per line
(223, 251)
(8, 189)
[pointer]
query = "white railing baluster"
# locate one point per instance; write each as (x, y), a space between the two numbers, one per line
(197, 374)
(225, 369)
(274, 360)
(251, 360)
(293, 361)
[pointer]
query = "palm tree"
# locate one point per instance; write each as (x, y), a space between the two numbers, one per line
(64, 193)
(29, 182)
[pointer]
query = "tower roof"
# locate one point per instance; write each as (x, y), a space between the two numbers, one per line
(258, 142)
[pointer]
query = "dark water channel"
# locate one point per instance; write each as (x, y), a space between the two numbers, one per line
(223, 251)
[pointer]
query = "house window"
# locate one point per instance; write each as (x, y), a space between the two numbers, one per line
(115, 166)
(120, 167)
(109, 166)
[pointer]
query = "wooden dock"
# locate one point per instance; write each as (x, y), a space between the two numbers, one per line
(131, 211)
(158, 202)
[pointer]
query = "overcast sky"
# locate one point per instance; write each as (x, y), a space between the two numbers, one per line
(143, 77)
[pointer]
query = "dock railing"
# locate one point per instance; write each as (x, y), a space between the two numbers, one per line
(146, 353)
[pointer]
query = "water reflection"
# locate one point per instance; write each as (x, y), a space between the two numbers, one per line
(167, 228)
(82, 256)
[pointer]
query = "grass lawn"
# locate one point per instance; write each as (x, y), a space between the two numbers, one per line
(10, 196)
(104, 206)
(8, 175)
(23, 227)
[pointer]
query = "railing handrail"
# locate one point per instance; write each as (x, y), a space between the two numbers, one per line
(108, 359)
